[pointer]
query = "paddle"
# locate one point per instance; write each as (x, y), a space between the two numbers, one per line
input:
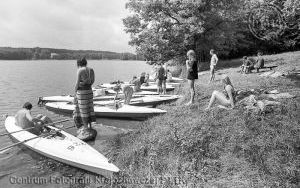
(34, 127)
(18, 143)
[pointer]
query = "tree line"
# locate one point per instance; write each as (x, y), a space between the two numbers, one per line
(166, 29)
(7, 53)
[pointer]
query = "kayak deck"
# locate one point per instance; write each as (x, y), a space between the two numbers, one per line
(69, 150)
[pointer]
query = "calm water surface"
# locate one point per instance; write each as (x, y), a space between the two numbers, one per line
(22, 81)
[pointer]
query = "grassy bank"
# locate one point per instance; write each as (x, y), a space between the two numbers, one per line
(220, 148)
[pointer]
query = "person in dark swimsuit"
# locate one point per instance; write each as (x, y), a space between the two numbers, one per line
(227, 98)
(192, 73)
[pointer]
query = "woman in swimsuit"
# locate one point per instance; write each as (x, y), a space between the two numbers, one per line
(192, 73)
(84, 113)
(227, 99)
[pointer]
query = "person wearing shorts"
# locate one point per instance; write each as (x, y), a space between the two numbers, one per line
(213, 63)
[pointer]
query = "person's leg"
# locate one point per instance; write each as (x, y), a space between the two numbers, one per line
(192, 91)
(211, 74)
(164, 87)
(157, 82)
(220, 97)
(129, 95)
(159, 89)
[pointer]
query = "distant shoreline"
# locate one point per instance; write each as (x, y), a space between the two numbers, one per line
(37, 53)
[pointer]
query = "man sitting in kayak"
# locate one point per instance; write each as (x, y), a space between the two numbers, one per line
(25, 120)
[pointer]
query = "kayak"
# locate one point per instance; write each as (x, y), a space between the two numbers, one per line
(173, 84)
(124, 111)
(145, 101)
(68, 98)
(139, 93)
(174, 79)
(66, 149)
(154, 88)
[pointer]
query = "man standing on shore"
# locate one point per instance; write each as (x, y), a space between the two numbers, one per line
(213, 63)
(161, 79)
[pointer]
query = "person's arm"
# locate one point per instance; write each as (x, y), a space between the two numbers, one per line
(188, 65)
(77, 80)
(216, 59)
(229, 90)
(28, 116)
(92, 76)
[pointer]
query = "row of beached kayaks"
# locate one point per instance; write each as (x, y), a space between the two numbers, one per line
(105, 104)
(139, 107)
(70, 150)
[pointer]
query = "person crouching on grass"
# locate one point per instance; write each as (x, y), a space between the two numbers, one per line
(192, 73)
(213, 63)
(227, 98)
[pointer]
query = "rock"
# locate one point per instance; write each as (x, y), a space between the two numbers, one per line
(280, 96)
(276, 74)
(270, 103)
(86, 135)
(248, 101)
(267, 73)
(273, 92)
(261, 105)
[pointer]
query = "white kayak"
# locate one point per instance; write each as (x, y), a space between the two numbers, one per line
(69, 98)
(152, 88)
(147, 100)
(171, 84)
(174, 79)
(67, 149)
(139, 93)
(124, 111)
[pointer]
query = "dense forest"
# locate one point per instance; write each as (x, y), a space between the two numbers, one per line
(167, 29)
(7, 53)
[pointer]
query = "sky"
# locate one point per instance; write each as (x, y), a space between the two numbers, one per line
(68, 24)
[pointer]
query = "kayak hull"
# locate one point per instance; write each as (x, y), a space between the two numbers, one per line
(145, 101)
(70, 150)
(63, 98)
(126, 111)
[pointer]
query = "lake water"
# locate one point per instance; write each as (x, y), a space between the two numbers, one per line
(22, 81)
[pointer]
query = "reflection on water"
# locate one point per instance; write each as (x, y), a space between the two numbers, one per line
(22, 81)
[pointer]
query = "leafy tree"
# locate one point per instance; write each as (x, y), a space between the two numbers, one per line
(163, 30)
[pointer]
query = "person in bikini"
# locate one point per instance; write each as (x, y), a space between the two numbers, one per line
(227, 98)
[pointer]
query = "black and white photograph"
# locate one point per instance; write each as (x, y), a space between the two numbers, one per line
(150, 94)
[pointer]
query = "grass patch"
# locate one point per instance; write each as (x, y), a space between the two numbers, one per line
(219, 148)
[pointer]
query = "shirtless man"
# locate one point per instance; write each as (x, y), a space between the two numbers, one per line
(25, 120)
(213, 63)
